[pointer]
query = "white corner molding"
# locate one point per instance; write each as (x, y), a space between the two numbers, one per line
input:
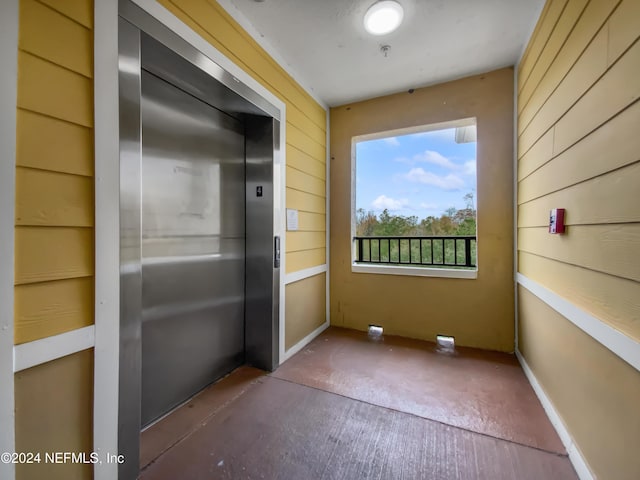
(578, 462)
(304, 274)
(31, 354)
(8, 101)
(327, 210)
(622, 345)
(280, 226)
(304, 342)
(107, 236)
(515, 205)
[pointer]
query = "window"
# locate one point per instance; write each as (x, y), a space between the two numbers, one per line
(414, 201)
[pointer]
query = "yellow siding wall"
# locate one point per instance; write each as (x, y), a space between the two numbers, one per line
(478, 312)
(578, 149)
(54, 184)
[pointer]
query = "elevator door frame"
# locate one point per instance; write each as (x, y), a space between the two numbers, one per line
(190, 70)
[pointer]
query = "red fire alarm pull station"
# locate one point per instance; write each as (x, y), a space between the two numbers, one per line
(556, 220)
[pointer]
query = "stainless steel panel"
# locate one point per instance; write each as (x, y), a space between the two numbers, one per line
(130, 271)
(262, 309)
(193, 245)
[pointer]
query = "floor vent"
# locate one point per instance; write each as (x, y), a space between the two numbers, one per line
(445, 343)
(375, 332)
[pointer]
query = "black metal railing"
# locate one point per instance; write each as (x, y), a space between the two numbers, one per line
(450, 251)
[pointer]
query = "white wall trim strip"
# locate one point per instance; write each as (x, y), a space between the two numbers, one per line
(327, 210)
(515, 203)
(280, 227)
(304, 342)
(244, 22)
(578, 462)
(622, 345)
(107, 237)
(31, 354)
(414, 271)
(306, 273)
(8, 100)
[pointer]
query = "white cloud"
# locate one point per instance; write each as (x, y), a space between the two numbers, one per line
(448, 182)
(392, 141)
(435, 158)
(429, 206)
(469, 167)
(383, 202)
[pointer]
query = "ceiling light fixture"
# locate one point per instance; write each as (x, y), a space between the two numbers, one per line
(383, 17)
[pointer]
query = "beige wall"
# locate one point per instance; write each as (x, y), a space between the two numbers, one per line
(578, 149)
(54, 412)
(305, 301)
(477, 312)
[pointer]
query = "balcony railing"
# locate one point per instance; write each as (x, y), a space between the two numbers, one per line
(450, 251)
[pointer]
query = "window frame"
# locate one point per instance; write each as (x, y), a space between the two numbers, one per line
(402, 269)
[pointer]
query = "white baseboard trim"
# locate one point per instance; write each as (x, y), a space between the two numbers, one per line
(41, 351)
(304, 342)
(303, 274)
(578, 462)
(622, 345)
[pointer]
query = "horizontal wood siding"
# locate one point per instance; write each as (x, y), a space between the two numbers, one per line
(43, 309)
(54, 175)
(578, 146)
(305, 125)
(579, 149)
(610, 298)
(308, 258)
(61, 147)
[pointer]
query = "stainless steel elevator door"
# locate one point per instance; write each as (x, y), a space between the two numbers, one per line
(193, 245)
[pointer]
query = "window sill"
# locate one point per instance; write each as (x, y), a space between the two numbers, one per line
(414, 271)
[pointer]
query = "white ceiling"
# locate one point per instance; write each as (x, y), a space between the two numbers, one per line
(324, 44)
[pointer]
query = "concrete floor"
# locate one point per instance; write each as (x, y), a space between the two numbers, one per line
(348, 406)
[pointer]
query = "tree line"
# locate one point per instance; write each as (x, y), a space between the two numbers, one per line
(452, 222)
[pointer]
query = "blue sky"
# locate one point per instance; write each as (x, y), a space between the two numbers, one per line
(420, 174)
